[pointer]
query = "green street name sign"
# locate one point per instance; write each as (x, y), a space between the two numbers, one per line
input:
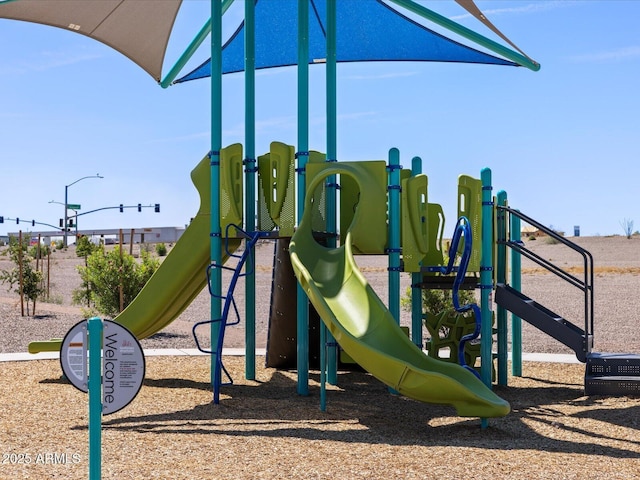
(73, 206)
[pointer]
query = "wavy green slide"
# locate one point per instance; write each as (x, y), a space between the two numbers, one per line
(181, 276)
(364, 327)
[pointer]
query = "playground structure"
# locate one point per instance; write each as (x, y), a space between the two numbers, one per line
(396, 219)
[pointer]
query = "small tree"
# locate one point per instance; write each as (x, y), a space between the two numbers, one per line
(103, 275)
(31, 278)
(627, 227)
(161, 249)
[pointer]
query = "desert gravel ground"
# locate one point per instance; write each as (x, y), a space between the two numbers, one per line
(263, 429)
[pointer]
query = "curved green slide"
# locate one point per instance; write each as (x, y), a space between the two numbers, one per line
(181, 276)
(364, 327)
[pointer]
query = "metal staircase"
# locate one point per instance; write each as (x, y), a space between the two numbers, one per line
(574, 337)
(606, 373)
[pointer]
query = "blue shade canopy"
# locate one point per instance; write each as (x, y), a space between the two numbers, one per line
(367, 31)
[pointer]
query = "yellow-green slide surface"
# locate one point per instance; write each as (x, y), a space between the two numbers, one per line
(366, 330)
(178, 280)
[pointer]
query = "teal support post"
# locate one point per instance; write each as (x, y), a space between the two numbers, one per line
(501, 274)
(94, 329)
(394, 233)
(516, 283)
(216, 145)
(416, 278)
(303, 157)
(328, 346)
(323, 367)
(393, 248)
(250, 182)
(332, 156)
(486, 281)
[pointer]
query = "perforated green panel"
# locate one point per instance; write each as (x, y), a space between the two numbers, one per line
(319, 213)
(415, 227)
(265, 222)
(276, 189)
(231, 192)
(470, 206)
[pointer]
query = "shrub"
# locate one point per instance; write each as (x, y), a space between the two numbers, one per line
(103, 275)
(85, 247)
(161, 249)
(43, 251)
(435, 302)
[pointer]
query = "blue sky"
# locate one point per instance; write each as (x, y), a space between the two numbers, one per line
(563, 142)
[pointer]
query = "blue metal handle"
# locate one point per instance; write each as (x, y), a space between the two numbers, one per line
(463, 229)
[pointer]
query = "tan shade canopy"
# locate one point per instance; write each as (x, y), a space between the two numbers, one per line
(139, 29)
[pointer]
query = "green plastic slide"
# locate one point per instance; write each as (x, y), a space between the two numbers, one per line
(178, 280)
(364, 327)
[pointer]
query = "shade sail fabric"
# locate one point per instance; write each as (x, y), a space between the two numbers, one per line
(367, 30)
(139, 29)
(473, 9)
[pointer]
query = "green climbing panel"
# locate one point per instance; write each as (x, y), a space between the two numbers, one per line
(415, 225)
(446, 329)
(470, 206)
(231, 193)
(276, 189)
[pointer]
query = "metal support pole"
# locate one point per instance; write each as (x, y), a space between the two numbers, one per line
(332, 142)
(486, 283)
(216, 145)
(394, 233)
(250, 184)
(501, 273)
(303, 156)
(516, 283)
(66, 219)
(416, 278)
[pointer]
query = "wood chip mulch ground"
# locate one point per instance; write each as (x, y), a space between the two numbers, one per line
(263, 429)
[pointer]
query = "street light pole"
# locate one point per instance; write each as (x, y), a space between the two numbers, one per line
(66, 204)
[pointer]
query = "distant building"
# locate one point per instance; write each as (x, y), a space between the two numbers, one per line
(530, 231)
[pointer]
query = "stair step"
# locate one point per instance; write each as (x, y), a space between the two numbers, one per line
(613, 364)
(612, 385)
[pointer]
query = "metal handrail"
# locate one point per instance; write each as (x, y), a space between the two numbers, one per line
(585, 284)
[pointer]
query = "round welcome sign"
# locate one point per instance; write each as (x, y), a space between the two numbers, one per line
(123, 364)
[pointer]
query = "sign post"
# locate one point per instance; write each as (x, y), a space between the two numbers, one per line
(113, 378)
(95, 329)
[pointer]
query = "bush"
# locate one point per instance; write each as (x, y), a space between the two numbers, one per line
(103, 275)
(161, 249)
(84, 247)
(43, 251)
(436, 302)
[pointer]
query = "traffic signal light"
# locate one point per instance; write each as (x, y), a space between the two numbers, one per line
(71, 222)
(17, 221)
(121, 208)
(1, 219)
(61, 223)
(33, 223)
(157, 208)
(139, 207)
